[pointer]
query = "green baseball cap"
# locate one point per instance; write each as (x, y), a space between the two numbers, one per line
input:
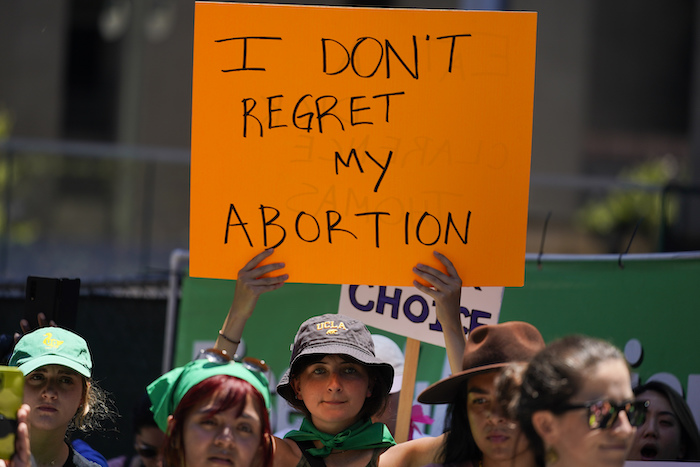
(52, 346)
(167, 391)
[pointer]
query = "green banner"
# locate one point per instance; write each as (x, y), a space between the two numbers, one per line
(648, 307)
(653, 301)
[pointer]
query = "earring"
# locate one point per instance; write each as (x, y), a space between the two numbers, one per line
(551, 456)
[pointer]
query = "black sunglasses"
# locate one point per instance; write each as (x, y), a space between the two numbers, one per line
(603, 413)
(146, 451)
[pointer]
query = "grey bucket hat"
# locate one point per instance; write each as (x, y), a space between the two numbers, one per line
(333, 334)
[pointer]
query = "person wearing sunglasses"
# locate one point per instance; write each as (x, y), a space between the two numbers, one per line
(59, 389)
(574, 402)
(669, 432)
(213, 410)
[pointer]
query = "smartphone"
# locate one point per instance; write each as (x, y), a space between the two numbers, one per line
(11, 394)
(56, 298)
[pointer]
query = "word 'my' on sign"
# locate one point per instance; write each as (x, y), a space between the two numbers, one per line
(407, 311)
(357, 141)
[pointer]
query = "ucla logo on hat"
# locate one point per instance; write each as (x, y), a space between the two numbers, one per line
(50, 342)
(330, 327)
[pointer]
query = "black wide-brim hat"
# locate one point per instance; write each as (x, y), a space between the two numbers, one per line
(333, 334)
(489, 347)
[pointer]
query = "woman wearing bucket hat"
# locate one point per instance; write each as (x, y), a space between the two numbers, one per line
(214, 411)
(337, 382)
(334, 376)
(476, 431)
(59, 389)
(574, 402)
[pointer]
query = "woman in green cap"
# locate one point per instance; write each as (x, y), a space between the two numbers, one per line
(214, 411)
(58, 387)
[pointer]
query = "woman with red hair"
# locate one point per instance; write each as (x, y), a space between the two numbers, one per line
(213, 411)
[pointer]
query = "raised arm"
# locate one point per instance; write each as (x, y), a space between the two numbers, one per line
(414, 453)
(250, 284)
(446, 290)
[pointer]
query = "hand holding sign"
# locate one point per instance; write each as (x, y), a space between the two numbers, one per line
(251, 283)
(446, 290)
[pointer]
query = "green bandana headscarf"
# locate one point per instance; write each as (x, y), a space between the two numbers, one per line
(167, 391)
(362, 435)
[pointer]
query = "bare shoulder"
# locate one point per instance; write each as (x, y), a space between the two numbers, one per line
(286, 453)
(417, 452)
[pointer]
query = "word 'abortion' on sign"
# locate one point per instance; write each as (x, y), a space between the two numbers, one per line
(428, 230)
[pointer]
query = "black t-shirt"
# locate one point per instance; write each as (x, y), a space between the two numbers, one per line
(75, 459)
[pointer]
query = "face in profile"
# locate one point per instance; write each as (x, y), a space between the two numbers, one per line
(570, 433)
(222, 438)
(659, 438)
(498, 437)
(148, 443)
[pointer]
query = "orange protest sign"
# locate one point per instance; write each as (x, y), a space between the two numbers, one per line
(357, 141)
